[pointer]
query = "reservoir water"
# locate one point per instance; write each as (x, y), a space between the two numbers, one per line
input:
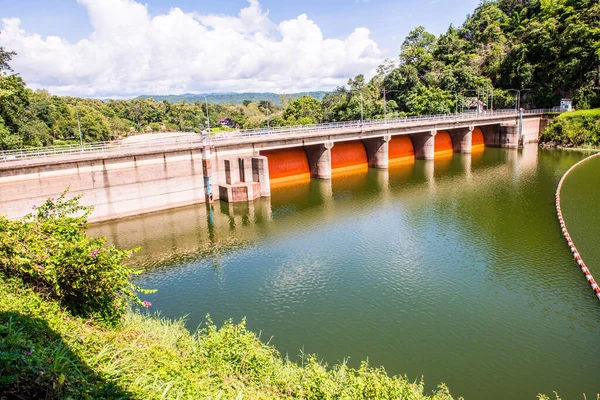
(454, 270)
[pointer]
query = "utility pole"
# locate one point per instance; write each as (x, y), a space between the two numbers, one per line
(385, 92)
(519, 110)
(362, 111)
(384, 107)
(79, 127)
(207, 117)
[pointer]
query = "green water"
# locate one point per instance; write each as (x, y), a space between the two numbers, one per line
(454, 270)
(580, 202)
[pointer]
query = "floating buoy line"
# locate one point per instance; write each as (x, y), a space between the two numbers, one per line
(588, 275)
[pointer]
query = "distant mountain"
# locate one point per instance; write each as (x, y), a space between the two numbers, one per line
(231, 98)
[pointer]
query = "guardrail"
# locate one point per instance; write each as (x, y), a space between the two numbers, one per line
(175, 143)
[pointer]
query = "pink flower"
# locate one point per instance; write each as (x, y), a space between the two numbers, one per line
(147, 303)
(94, 253)
(130, 255)
(34, 207)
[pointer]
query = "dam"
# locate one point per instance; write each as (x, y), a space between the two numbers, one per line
(126, 181)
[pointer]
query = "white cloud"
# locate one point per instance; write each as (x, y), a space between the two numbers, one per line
(131, 52)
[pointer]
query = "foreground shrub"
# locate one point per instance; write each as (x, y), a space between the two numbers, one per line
(51, 252)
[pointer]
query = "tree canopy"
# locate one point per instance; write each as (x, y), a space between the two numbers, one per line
(550, 47)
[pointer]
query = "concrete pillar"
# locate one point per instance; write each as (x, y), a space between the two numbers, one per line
(207, 173)
(242, 169)
(424, 144)
(260, 174)
(378, 152)
(505, 135)
(319, 160)
(231, 171)
(531, 130)
(509, 136)
(462, 140)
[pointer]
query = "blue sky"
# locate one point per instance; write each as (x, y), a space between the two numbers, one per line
(388, 23)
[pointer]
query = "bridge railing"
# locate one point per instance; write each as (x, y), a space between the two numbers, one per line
(394, 121)
(186, 141)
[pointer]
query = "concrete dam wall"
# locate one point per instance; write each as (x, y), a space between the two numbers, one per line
(116, 187)
(121, 185)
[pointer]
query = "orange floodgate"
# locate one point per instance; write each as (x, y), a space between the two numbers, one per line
(348, 155)
(400, 149)
(443, 144)
(287, 165)
(477, 143)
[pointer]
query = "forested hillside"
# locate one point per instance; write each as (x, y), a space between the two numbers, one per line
(235, 98)
(546, 49)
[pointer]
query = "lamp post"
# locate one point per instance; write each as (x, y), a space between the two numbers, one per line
(470, 90)
(488, 94)
(518, 97)
(455, 100)
(519, 110)
(362, 107)
(268, 118)
(79, 127)
(385, 92)
(207, 117)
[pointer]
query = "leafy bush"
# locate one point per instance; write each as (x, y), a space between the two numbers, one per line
(577, 128)
(51, 252)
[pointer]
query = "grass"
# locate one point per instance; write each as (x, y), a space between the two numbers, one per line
(574, 129)
(45, 352)
(595, 113)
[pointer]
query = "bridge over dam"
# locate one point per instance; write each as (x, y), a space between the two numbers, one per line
(122, 180)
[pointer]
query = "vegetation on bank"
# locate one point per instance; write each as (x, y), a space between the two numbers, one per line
(67, 331)
(46, 352)
(574, 129)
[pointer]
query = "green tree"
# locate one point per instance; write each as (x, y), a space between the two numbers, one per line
(14, 99)
(94, 126)
(305, 107)
(418, 48)
(427, 100)
(7, 139)
(5, 57)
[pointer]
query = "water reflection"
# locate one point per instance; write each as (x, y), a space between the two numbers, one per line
(169, 237)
